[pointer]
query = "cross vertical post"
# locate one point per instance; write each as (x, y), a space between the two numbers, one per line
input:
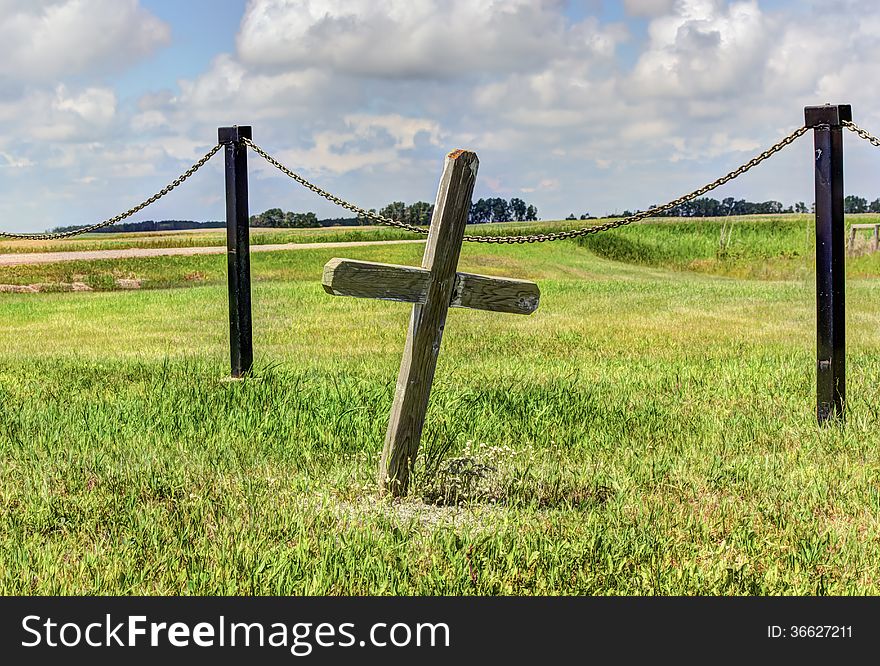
(241, 348)
(826, 122)
(427, 321)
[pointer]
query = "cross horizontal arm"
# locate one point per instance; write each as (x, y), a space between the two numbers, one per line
(408, 284)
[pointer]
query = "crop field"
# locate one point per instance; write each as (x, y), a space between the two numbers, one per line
(649, 430)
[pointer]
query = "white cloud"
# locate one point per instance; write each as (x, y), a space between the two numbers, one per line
(229, 90)
(149, 120)
(704, 48)
(647, 7)
(96, 106)
(47, 39)
(368, 141)
(403, 130)
(59, 115)
(8, 161)
(403, 38)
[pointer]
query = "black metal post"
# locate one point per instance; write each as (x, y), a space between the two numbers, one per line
(241, 346)
(830, 269)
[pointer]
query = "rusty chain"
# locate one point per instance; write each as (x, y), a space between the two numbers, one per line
(361, 212)
(861, 132)
(537, 238)
(118, 218)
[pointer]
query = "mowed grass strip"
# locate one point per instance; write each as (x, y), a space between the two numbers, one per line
(647, 431)
(201, 238)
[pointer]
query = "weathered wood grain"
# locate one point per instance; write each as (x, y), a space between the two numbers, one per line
(497, 294)
(408, 284)
(428, 321)
(366, 279)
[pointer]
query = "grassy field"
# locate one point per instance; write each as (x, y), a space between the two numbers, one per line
(200, 238)
(259, 236)
(650, 430)
(767, 247)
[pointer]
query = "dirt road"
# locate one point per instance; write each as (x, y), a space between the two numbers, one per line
(24, 259)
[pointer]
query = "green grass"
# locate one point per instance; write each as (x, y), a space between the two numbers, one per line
(649, 430)
(770, 247)
(754, 247)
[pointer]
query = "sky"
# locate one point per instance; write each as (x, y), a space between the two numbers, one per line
(580, 106)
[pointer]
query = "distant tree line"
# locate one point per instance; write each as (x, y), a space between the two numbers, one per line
(709, 207)
(418, 213)
(279, 219)
(854, 204)
(147, 225)
(500, 210)
(494, 209)
(482, 211)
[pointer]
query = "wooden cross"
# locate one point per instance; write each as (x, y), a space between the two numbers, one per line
(432, 289)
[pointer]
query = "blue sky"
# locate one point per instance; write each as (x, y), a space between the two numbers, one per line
(582, 106)
(200, 29)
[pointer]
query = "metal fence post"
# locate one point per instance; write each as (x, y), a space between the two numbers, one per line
(241, 347)
(830, 257)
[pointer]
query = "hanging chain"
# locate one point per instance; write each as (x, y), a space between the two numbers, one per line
(118, 218)
(536, 238)
(862, 133)
(361, 212)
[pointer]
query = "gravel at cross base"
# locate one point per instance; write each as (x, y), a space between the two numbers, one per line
(88, 255)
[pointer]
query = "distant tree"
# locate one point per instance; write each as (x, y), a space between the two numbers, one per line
(500, 209)
(801, 207)
(480, 213)
(274, 217)
(301, 220)
(771, 207)
(854, 204)
(531, 213)
(874, 207)
(571, 217)
(395, 210)
(518, 209)
(419, 213)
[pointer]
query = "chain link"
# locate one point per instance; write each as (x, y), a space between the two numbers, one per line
(538, 238)
(361, 212)
(118, 218)
(861, 132)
